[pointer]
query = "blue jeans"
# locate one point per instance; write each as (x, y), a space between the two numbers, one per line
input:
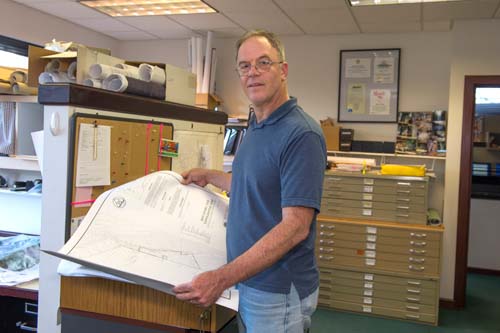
(264, 312)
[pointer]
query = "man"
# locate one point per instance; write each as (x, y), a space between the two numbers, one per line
(275, 192)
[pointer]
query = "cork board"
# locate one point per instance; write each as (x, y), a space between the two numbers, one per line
(134, 149)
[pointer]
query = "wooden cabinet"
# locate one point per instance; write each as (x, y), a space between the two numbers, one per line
(379, 268)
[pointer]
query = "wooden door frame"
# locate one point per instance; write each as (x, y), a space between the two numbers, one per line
(462, 247)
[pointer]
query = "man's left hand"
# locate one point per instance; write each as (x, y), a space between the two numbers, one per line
(203, 290)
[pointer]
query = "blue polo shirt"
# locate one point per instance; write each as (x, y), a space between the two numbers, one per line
(280, 163)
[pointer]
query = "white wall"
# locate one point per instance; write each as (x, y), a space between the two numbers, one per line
(475, 49)
(174, 52)
(483, 234)
(30, 25)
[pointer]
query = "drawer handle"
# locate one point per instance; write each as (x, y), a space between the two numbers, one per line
(322, 233)
(414, 283)
(411, 316)
(419, 244)
(404, 184)
(413, 299)
(416, 260)
(403, 191)
(412, 308)
(322, 249)
(403, 199)
(326, 226)
(403, 207)
(413, 291)
(24, 327)
(323, 304)
(326, 241)
(326, 257)
(402, 215)
(413, 251)
(416, 235)
(416, 268)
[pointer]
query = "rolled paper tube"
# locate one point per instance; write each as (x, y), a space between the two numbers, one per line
(53, 65)
(23, 89)
(72, 71)
(93, 83)
(151, 73)
(18, 76)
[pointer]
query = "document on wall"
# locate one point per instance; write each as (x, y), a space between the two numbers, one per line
(356, 98)
(93, 165)
(380, 100)
(358, 68)
(384, 70)
(154, 231)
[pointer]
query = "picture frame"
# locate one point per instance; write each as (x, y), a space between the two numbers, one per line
(369, 85)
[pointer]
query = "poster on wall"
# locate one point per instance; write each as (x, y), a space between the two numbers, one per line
(369, 85)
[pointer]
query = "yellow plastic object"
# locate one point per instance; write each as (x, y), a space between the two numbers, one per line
(403, 170)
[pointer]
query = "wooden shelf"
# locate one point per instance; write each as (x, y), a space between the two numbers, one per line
(28, 163)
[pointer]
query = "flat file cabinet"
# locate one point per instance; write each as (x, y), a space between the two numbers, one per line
(375, 197)
(379, 268)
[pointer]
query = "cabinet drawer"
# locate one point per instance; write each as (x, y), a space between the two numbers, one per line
(432, 250)
(382, 302)
(397, 295)
(361, 188)
(402, 216)
(367, 204)
(429, 268)
(391, 197)
(376, 310)
(401, 183)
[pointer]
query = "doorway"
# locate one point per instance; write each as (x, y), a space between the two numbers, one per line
(465, 186)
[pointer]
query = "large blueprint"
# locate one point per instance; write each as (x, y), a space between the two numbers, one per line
(154, 231)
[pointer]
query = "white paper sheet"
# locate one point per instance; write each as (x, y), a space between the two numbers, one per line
(37, 138)
(12, 278)
(154, 231)
(93, 166)
(199, 64)
(208, 64)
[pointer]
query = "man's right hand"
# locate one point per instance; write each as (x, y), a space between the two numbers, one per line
(198, 176)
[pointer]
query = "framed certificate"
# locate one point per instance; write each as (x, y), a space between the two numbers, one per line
(369, 85)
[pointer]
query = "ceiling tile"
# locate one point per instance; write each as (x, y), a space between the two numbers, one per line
(204, 21)
(173, 34)
(391, 27)
(460, 10)
(224, 32)
(387, 13)
(130, 35)
(272, 19)
(151, 23)
(324, 21)
(240, 5)
(67, 9)
(433, 26)
(312, 4)
(105, 24)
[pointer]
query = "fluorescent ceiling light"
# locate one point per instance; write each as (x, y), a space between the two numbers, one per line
(149, 7)
(356, 3)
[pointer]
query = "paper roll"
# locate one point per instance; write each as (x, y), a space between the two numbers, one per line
(101, 71)
(352, 160)
(18, 76)
(46, 77)
(151, 73)
(72, 71)
(53, 65)
(92, 83)
(115, 82)
(208, 64)
(131, 71)
(199, 64)
(23, 89)
(192, 54)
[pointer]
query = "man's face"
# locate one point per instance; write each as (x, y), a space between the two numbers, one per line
(262, 87)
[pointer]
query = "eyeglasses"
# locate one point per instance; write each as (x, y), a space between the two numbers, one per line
(262, 65)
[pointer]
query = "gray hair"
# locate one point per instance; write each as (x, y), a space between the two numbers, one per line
(271, 38)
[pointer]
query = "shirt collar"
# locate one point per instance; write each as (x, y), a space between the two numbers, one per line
(277, 114)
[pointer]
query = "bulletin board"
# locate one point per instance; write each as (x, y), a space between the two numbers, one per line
(369, 85)
(134, 150)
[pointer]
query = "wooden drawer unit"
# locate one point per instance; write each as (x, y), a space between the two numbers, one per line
(379, 268)
(375, 197)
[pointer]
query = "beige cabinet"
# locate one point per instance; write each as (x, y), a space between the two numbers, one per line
(379, 268)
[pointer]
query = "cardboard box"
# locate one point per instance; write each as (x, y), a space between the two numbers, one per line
(39, 57)
(207, 101)
(180, 84)
(331, 134)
